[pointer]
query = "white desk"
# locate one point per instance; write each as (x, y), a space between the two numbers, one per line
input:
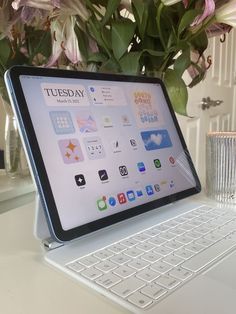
(28, 285)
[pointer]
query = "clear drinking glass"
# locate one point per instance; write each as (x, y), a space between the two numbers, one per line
(221, 166)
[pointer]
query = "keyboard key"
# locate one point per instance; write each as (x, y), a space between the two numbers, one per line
(154, 291)
(167, 235)
(133, 252)
(91, 273)
(120, 259)
(108, 280)
(173, 260)
(204, 242)
(89, 260)
(186, 226)
(151, 232)
(177, 230)
(184, 239)
(185, 254)
(174, 245)
(207, 256)
(162, 228)
(103, 254)
(129, 242)
(214, 236)
(127, 286)
(180, 273)
(140, 300)
(163, 250)
(138, 264)
(167, 281)
(141, 237)
(117, 248)
(194, 247)
(147, 275)
(106, 266)
(124, 271)
(161, 267)
(75, 266)
(157, 241)
(151, 257)
(146, 247)
(203, 229)
(193, 234)
(180, 220)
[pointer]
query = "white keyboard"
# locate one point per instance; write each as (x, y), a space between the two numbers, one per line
(146, 267)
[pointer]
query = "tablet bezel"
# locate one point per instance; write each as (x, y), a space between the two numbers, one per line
(31, 145)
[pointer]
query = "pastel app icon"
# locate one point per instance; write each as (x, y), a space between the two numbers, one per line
(112, 201)
(149, 190)
(86, 122)
(71, 151)
(94, 147)
(62, 122)
(130, 195)
(101, 203)
(141, 166)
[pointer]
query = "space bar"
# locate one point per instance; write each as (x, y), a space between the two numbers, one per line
(207, 256)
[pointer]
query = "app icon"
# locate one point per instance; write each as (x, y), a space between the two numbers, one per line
(62, 122)
(130, 195)
(156, 139)
(86, 122)
(121, 198)
(123, 171)
(103, 175)
(139, 193)
(80, 180)
(94, 147)
(71, 151)
(141, 166)
(125, 120)
(101, 203)
(115, 145)
(157, 163)
(172, 184)
(172, 160)
(112, 201)
(107, 122)
(149, 190)
(133, 142)
(157, 187)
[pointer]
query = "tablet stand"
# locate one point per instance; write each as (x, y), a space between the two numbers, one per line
(41, 230)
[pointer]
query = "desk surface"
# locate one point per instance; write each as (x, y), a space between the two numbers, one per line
(27, 284)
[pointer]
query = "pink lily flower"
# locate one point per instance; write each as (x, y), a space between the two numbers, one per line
(209, 10)
(227, 13)
(64, 40)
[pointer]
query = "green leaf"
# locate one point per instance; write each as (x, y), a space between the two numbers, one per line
(140, 10)
(187, 20)
(110, 66)
(111, 7)
(182, 62)
(200, 42)
(97, 57)
(121, 35)
(177, 91)
(5, 51)
(130, 63)
(83, 41)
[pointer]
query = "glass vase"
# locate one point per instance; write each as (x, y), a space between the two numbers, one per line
(14, 157)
